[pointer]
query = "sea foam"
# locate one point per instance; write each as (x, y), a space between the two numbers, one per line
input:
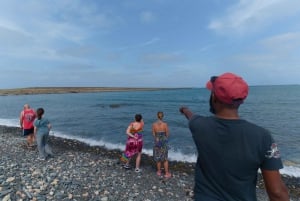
(292, 171)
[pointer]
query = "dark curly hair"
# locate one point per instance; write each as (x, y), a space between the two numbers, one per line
(138, 117)
(39, 113)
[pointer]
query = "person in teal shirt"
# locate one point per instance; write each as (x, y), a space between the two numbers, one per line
(42, 128)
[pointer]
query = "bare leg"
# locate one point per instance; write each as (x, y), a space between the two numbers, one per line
(138, 160)
(166, 166)
(31, 139)
(158, 165)
(28, 140)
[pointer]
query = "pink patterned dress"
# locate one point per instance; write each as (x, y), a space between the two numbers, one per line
(133, 145)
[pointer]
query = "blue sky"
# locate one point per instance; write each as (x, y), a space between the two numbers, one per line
(147, 43)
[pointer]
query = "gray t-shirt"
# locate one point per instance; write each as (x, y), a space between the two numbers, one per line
(42, 126)
(230, 152)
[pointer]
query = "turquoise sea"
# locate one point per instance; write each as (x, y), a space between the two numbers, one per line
(102, 118)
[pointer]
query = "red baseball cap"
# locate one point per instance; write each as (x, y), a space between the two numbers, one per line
(228, 88)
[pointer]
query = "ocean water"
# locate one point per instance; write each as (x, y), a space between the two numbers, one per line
(102, 118)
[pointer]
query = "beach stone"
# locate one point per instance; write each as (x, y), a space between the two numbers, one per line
(54, 182)
(10, 179)
(28, 194)
(59, 196)
(106, 192)
(36, 172)
(41, 198)
(80, 172)
(104, 199)
(6, 198)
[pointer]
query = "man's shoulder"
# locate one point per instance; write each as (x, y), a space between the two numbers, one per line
(255, 126)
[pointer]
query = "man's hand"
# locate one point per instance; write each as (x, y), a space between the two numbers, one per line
(187, 113)
(181, 109)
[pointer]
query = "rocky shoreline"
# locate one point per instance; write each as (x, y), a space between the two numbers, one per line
(81, 172)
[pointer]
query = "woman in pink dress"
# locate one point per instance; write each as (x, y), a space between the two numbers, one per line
(134, 143)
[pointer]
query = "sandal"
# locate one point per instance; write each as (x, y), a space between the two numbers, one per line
(168, 175)
(127, 166)
(30, 146)
(137, 170)
(158, 173)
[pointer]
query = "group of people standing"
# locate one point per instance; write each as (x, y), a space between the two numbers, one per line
(36, 128)
(230, 150)
(134, 144)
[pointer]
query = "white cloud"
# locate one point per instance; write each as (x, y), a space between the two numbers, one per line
(276, 52)
(147, 17)
(82, 37)
(50, 31)
(141, 44)
(273, 60)
(42, 30)
(10, 38)
(285, 43)
(251, 15)
(162, 58)
(78, 51)
(150, 42)
(12, 26)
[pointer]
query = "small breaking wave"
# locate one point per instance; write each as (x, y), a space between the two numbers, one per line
(289, 170)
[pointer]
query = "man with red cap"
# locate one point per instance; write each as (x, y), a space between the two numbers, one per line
(231, 150)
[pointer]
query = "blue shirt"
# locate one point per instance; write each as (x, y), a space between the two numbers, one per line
(42, 126)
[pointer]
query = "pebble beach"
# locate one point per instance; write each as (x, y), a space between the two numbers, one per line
(81, 172)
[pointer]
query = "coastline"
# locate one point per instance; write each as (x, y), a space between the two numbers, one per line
(61, 90)
(81, 172)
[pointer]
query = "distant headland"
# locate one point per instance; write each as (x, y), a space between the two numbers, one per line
(61, 90)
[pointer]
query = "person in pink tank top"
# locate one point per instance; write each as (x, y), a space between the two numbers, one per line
(27, 118)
